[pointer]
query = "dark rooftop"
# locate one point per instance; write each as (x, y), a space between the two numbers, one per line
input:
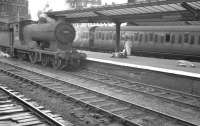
(154, 11)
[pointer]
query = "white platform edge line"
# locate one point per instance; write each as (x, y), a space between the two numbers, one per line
(177, 72)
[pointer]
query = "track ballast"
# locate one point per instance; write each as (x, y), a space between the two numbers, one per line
(127, 112)
(15, 109)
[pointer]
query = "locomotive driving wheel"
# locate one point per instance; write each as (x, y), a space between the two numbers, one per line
(57, 63)
(45, 60)
(33, 57)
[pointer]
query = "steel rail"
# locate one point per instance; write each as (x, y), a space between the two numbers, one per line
(32, 108)
(178, 119)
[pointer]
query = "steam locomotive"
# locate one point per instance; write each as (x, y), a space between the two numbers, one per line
(48, 42)
(170, 41)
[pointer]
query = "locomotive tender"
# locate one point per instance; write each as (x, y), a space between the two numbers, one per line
(178, 41)
(48, 43)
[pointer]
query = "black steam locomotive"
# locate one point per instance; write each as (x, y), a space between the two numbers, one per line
(48, 42)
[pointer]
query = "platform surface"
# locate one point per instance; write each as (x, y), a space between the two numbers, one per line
(154, 64)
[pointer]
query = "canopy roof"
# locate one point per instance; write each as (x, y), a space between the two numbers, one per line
(154, 11)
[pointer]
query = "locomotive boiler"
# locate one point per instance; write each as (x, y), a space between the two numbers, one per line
(48, 43)
(53, 35)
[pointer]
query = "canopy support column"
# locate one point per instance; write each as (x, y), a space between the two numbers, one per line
(11, 43)
(118, 24)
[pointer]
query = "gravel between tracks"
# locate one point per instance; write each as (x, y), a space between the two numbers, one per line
(80, 116)
(57, 75)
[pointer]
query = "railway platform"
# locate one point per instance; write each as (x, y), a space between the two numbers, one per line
(179, 75)
(171, 66)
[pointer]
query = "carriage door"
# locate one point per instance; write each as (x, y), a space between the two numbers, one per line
(91, 37)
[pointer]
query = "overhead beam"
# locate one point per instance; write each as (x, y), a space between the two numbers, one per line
(102, 15)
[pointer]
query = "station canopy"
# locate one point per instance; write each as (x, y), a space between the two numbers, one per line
(154, 11)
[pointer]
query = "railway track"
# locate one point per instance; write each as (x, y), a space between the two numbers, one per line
(16, 110)
(163, 93)
(132, 113)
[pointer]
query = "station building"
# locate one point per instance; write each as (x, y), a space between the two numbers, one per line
(13, 10)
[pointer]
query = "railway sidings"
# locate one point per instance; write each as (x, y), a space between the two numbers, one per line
(16, 109)
(131, 102)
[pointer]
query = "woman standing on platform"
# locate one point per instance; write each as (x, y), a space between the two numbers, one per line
(128, 45)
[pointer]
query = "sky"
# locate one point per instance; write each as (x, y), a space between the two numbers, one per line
(56, 5)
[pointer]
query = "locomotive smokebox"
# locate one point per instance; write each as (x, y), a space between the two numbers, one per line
(56, 35)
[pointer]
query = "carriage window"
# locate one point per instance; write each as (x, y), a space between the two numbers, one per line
(146, 38)
(96, 35)
(151, 37)
(102, 36)
(199, 40)
(84, 35)
(110, 35)
(122, 36)
(17, 28)
(132, 38)
(136, 36)
(99, 35)
(167, 37)
(156, 38)
(173, 39)
(114, 36)
(180, 39)
(140, 39)
(192, 39)
(186, 38)
(87, 35)
(107, 36)
(162, 39)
